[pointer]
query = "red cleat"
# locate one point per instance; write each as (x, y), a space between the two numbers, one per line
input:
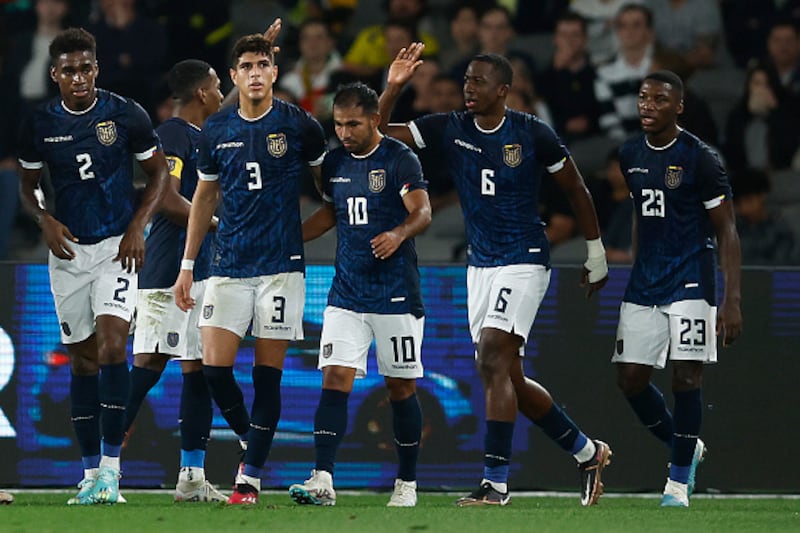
(243, 494)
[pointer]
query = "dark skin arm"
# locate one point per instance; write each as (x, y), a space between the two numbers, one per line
(729, 318)
(400, 71)
(570, 181)
(319, 222)
(55, 234)
(131, 247)
(176, 208)
(419, 217)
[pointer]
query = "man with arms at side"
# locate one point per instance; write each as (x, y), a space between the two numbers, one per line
(87, 136)
(251, 156)
(163, 330)
(681, 198)
(375, 195)
(497, 158)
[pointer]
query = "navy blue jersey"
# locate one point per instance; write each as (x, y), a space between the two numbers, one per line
(258, 164)
(672, 187)
(165, 243)
(497, 175)
(367, 195)
(89, 156)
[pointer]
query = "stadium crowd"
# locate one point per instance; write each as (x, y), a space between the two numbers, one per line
(577, 65)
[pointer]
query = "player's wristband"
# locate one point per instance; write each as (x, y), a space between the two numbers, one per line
(187, 264)
(596, 262)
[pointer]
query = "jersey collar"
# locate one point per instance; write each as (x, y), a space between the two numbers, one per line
(493, 130)
(364, 156)
(71, 112)
(660, 148)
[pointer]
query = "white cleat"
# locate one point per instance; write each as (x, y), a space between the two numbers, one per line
(404, 495)
(316, 490)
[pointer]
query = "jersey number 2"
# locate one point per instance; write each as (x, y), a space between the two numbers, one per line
(86, 161)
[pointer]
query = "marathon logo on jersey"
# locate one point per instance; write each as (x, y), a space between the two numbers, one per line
(327, 350)
(673, 177)
(65, 329)
(172, 339)
(208, 310)
(106, 132)
(276, 144)
(512, 155)
(377, 180)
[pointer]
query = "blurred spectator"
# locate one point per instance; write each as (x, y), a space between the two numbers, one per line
(747, 25)
(130, 51)
(696, 116)
(783, 46)
(766, 239)
(612, 201)
(446, 94)
(763, 131)
(367, 55)
(526, 101)
(309, 79)
(463, 43)
(600, 16)
(617, 84)
(567, 85)
(536, 17)
(689, 27)
(495, 33)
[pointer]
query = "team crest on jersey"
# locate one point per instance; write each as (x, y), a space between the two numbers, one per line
(276, 144)
(327, 350)
(512, 154)
(377, 180)
(173, 338)
(208, 310)
(673, 177)
(106, 132)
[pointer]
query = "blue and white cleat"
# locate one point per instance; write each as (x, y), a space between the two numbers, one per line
(84, 496)
(697, 458)
(106, 487)
(675, 495)
(316, 490)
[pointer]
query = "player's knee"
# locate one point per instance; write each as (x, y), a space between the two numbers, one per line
(687, 376)
(112, 351)
(630, 382)
(400, 389)
(152, 362)
(83, 364)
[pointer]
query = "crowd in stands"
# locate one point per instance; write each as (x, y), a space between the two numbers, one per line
(577, 65)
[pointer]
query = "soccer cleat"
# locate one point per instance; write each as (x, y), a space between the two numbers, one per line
(697, 458)
(485, 494)
(6, 498)
(198, 490)
(404, 495)
(84, 496)
(106, 487)
(675, 495)
(591, 470)
(243, 494)
(316, 490)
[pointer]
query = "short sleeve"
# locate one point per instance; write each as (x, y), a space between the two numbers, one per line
(207, 169)
(712, 179)
(29, 157)
(313, 139)
(427, 131)
(550, 150)
(409, 173)
(144, 141)
(327, 192)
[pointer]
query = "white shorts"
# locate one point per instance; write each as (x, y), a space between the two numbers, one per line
(90, 285)
(161, 326)
(274, 305)
(347, 335)
(505, 297)
(684, 331)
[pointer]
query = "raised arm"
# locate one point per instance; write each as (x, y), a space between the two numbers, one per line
(419, 217)
(400, 71)
(131, 247)
(729, 318)
(595, 270)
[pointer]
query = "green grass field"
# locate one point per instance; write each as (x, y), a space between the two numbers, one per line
(435, 513)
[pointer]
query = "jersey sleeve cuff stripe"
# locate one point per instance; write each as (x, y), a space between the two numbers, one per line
(318, 161)
(207, 177)
(31, 165)
(328, 198)
(557, 166)
(147, 154)
(418, 140)
(714, 202)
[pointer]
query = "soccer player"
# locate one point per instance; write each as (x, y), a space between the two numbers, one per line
(251, 156)
(681, 198)
(162, 329)
(375, 195)
(497, 158)
(87, 137)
